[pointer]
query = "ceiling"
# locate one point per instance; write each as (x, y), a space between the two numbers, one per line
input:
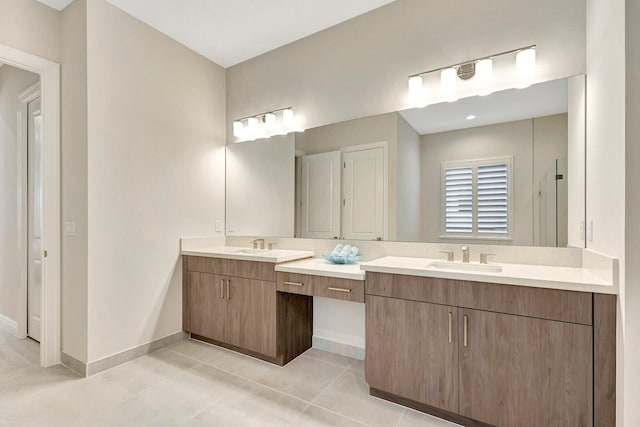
(231, 31)
(510, 105)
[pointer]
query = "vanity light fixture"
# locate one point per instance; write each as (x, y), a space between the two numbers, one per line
(525, 66)
(238, 128)
(471, 117)
(415, 87)
(484, 76)
(264, 125)
(481, 69)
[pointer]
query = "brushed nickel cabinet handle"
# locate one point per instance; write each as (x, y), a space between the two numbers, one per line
(450, 327)
(466, 330)
(228, 292)
(294, 284)
(340, 290)
(221, 288)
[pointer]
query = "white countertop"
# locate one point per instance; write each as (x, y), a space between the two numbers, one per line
(539, 276)
(321, 267)
(246, 254)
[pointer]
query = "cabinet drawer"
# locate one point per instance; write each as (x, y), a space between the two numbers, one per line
(232, 267)
(345, 289)
(292, 283)
(321, 286)
(552, 304)
(414, 288)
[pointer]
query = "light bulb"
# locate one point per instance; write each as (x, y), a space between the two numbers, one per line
(525, 67)
(448, 78)
(415, 87)
(270, 121)
(238, 127)
(287, 117)
(484, 76)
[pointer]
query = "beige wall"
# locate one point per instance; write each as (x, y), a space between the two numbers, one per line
(13, 82)
(408, 185)
(606, 158)
(31, 26)
(533, 143)
(74, 179)
(632, 199)
(260, 184)
(359, 68)
(156, 114)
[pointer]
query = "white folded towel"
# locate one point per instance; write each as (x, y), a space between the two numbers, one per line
(354, 251)
(346, 250)
(337, 250)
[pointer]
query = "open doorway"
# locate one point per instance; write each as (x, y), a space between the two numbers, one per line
(30, 195)
(21, 201)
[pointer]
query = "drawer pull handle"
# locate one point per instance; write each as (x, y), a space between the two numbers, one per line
(450, 327)
(466, 329)
(221, 288)
(340, 290)
(294, 284)
(228, 292)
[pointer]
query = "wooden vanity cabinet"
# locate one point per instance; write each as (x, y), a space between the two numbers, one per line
(239, 308)
(415, 350)
(518, 356)
(526, 372)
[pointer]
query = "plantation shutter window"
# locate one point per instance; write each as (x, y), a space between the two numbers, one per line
(476, 198)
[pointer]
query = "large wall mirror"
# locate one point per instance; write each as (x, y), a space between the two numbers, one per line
(506, 168)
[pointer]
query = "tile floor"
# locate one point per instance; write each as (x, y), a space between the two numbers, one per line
(194, 384)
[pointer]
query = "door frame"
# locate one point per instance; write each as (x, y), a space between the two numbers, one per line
(386, 215)
(49, 73)
(26, 97)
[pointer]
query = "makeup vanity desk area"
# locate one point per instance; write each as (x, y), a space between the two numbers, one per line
(530, 345)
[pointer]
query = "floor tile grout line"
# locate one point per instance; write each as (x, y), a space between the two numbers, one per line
(331, 383)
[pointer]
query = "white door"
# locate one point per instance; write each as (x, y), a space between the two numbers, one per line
(363, 193)
(320, 196)
(34, 202)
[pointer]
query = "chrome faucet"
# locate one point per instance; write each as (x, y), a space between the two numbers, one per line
(465, 254)
(255, 244)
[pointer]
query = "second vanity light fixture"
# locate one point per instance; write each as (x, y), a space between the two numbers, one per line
(481, 69)
(265, 125)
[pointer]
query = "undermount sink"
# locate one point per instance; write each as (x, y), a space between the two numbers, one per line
(471, 267)
(250, 251)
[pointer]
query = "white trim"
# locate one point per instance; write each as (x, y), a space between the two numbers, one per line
(9, 325)
(29, 95)
(385, 179)
(50, 98)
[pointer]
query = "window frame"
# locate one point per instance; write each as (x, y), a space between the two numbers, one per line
(474, 164)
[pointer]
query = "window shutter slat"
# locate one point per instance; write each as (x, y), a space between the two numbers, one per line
(493, 199)
(458, 200)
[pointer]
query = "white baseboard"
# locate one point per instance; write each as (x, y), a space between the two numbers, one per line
(336, 347)
(9, 325)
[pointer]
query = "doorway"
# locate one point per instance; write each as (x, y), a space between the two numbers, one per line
(47, 249)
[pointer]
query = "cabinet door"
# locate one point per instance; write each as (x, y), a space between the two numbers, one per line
(521, 371)
(207, 305)
(251, 315)
(412, 350)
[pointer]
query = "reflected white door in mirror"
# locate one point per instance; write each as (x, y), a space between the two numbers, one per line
(342, 194)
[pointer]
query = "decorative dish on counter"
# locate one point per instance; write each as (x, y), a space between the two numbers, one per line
(339, 259)
(343, 254)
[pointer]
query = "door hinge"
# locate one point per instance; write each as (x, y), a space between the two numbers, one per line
(559, 176)
(344, 202)
(344, 165)
(46, 253)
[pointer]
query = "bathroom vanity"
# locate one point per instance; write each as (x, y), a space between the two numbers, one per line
(515, 344)
(483, 353)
